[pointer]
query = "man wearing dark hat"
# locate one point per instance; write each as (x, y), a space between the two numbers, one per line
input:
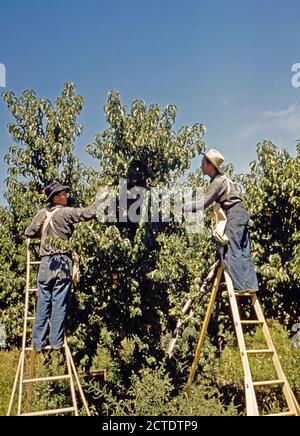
(236, 254)
(55, 272)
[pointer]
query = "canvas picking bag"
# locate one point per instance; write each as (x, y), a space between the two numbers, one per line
(219, 219)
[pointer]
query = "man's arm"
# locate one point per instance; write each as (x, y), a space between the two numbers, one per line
(215, 190)
(79, 214)
(34, 230)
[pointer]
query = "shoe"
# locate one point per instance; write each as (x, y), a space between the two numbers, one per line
(58, 348)
(43, 348)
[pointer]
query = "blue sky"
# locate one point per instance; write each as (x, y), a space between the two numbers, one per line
(224, 63)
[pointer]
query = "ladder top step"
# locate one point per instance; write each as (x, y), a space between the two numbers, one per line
(269, 383)
(48, 347)
(45, 379)
(225, 294)
(245, 294)
(31, 349)
(267, 351)
(251, 321)
(50, 412)
(283, 414)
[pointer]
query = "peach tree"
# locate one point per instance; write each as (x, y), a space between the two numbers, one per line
(43, 149)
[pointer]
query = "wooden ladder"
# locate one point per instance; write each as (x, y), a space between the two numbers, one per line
(250, 385)
(28, 352)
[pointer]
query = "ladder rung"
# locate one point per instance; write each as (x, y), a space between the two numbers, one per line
(251, 322)
(283, 414)
(225, 294)
(33, 289)
(35, 262)
(44, 379)
(48, 347)
(269, 383)
(245, 294)
(50, 412)
(30, 318)
(262, 351)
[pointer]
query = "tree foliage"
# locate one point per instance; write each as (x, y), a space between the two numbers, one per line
(136, 277)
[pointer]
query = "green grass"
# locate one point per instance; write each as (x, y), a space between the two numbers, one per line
(152, 392)
(8, 367)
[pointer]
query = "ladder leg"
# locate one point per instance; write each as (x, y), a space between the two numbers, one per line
(14, 387)
(25, 325)
(31, 367)
(296, 404)
(204, 329)
(73, 394)
(22, 358)
(251, 402)
(78, 382)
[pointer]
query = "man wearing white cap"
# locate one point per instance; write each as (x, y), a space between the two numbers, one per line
(236, 254)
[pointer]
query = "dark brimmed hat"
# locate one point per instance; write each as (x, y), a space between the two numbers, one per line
(54, 188)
